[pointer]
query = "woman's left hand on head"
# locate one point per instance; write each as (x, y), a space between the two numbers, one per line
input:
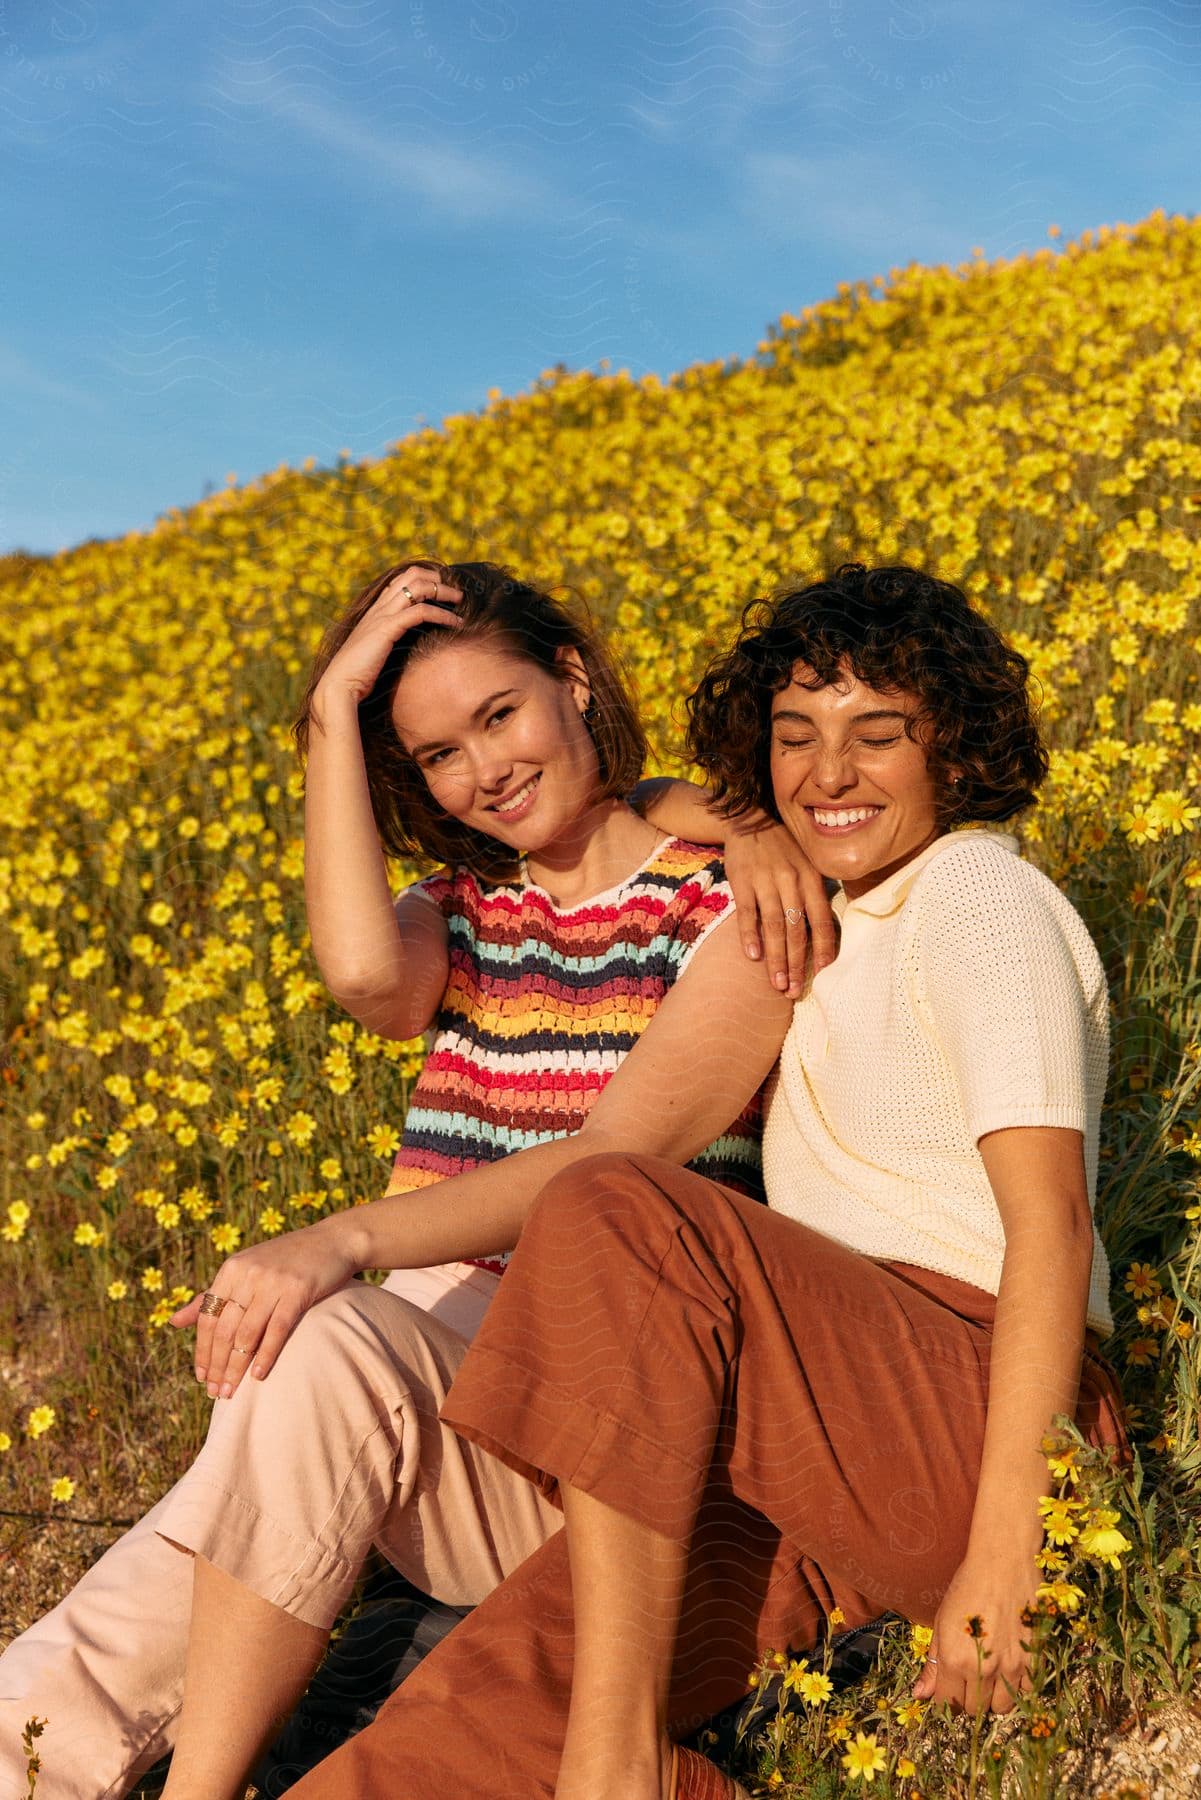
(977, 1658)
(781, 902)
(266, 1290)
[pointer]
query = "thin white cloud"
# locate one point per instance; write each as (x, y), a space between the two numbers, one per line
(467, 186)
(848, 199)
(711, 67)
(16, 371)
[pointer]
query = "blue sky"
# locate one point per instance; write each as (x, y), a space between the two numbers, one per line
(244, 232)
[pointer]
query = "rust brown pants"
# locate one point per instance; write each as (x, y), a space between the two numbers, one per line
(810, 1420)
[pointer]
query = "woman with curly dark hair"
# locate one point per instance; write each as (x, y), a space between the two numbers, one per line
(753, 1418)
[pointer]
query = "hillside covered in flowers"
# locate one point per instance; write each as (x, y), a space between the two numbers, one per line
(175, 1079)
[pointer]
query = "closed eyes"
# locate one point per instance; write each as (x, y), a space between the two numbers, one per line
(808, 743)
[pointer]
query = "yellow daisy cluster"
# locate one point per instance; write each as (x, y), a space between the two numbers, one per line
(821, 1733)
(1078, 1529)
(175, 1081)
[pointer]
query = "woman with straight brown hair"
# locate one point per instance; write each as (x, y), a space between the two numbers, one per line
(569, 958)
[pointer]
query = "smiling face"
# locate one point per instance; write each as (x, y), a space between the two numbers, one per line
(501, 742)
(850, 785)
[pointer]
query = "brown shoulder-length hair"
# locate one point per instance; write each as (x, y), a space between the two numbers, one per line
(898, 630)
(534, 625)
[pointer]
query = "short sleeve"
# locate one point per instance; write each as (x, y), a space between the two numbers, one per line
(704, 899)
(438, 888)
(996, 968)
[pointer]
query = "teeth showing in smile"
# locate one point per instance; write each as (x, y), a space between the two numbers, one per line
(517, 799)
(845, 815)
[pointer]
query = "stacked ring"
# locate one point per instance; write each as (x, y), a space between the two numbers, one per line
(215, 1304)
(410, 595)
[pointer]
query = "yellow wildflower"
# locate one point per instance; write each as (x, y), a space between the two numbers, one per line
(1172, 812)
(40, 1421)
(383, 1140)
(1059, 1524)
(1061, 1461)
(1140, 825)
(1063, 1595)
(813, 1687)
(16, 1223)
(865, 1758)
(1101, 1540)
(300, 1128)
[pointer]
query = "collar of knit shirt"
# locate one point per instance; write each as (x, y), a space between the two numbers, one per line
(891, 893)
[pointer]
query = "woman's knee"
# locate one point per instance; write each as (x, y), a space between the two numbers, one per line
(342, 1342)
(338, 1400)
(610, 1195)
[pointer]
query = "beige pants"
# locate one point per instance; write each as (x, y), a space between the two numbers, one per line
(339, 1449)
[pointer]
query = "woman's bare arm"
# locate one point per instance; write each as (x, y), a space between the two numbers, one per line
(1037, 1175)
(701, 1058)
(777, 891)
(680, 808)
(384, 961)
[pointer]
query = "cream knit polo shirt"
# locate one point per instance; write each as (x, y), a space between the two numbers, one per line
(966, 996)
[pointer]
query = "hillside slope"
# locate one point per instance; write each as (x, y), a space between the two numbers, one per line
(176, 1081)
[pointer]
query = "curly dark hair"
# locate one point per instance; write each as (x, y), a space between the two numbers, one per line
(898, 630)
(533, 624)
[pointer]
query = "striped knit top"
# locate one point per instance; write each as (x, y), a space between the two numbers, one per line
(543, 1003)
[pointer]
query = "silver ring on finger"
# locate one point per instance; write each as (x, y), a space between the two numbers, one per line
(238, 1351)
(408, 594)
(794, 915)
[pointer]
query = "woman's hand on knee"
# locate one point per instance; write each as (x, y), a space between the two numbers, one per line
(255, 1300)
